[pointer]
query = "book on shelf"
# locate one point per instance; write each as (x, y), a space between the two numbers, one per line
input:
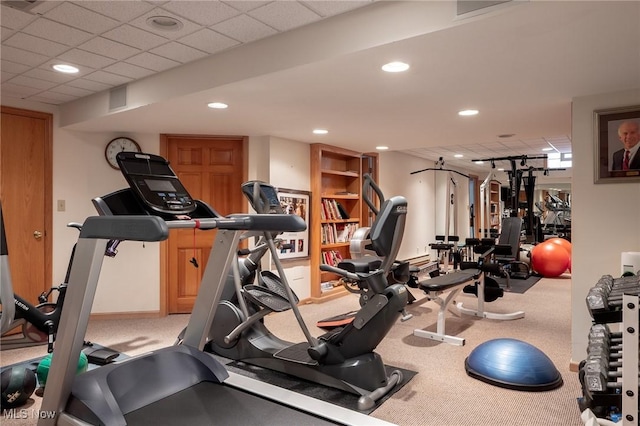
(331, 257)
(332, 210)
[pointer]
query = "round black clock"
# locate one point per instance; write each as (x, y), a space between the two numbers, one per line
(117, 145)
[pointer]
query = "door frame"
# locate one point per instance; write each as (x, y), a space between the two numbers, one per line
(164, 245)
(47, 185)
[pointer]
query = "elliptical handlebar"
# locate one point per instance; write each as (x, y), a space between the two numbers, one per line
(370, 183)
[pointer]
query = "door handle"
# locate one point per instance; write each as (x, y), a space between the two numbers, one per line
(37, 235)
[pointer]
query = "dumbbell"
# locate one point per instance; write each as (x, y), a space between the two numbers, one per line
(600, 330)
(597, 376)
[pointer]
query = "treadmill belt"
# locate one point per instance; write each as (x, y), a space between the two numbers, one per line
(209, 403)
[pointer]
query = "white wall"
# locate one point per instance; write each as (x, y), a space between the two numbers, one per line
(289, 167)
(604, 217)
(426, 195)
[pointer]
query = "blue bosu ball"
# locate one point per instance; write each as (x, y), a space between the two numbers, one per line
(513, 364)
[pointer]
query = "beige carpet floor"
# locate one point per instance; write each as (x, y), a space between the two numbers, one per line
(441, 394)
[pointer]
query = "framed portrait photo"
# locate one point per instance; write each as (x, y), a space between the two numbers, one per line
(294, 245)
(617, 145)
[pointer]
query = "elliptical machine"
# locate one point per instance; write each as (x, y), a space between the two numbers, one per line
(343, 358)
(32, 325)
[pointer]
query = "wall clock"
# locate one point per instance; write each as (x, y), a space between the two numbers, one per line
(117, 145)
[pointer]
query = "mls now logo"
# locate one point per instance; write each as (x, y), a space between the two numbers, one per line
(14, 413)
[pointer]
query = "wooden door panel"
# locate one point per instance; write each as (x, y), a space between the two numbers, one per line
(25, 176)
(212, 170)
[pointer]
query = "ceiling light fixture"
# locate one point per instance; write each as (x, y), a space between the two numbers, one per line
(217, 105)
(547, 149)
(164, 23)
(320, 131)
(64, 68)
(382, 148)
(458, 155)
(395, 67)
(479, 162)
(468, 112)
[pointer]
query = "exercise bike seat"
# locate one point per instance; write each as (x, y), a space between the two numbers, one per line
(363, 264)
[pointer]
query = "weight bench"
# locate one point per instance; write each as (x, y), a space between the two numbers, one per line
(453, 283)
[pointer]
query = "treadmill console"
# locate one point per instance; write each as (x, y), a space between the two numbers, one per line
(262, 196)
(155, 183)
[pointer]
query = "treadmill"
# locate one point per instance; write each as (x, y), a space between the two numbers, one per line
(180, 384)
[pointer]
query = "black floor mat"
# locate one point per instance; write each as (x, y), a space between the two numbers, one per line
(314, 390)
(517, 285)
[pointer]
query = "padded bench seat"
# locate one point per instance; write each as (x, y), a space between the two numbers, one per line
(449, 281)
(451, 284)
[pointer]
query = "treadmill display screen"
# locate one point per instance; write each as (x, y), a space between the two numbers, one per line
(160, 185)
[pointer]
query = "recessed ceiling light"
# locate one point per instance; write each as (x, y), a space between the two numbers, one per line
(164, 23)
(67, 69)
(382, 148)
(547, 149)
(479, 162)
(468, 112)
(395, 67)
(217, 105)
(501, 169)
(320, 131)
(458, 155)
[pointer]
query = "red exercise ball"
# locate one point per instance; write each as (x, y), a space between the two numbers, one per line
(561, 242)
(550, 260)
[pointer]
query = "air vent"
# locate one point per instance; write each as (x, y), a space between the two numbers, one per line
(468, 6)
(117, 98)
(23, 5)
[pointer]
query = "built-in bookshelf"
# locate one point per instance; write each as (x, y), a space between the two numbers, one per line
(336, 212)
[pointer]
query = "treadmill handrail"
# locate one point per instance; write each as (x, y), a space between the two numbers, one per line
(154, 228)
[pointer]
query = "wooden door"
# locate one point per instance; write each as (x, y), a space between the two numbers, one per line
(25, 191)
(212, 169)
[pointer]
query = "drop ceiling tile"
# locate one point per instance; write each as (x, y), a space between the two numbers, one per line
(178, 52)
(5, 33)
(12, 67)
(208, 41)
(4, 76)
(244, 28)
(55, 31)
(50, 75)
(71, 91)
(82, 57)
(35, 44)
(52, 98)
(109, 48)
(330, 8)
(135, 37)
(203, 12)
(91, 85)
(18, 91)
(78, 17)
(114, 9)
(107, 78)
(13, 18)
(152, 62)
(22, 57)
(128, 70)
(188, 26)
(284, 16)
(245, 6)
(33, 82)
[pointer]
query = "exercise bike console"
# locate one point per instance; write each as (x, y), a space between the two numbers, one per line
(153, 180)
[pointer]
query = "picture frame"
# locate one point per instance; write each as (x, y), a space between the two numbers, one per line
(609, 148)
(295, 245)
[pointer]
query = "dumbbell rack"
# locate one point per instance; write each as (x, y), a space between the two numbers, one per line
(625, 397)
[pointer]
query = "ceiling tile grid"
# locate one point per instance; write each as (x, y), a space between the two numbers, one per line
(113, 43)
